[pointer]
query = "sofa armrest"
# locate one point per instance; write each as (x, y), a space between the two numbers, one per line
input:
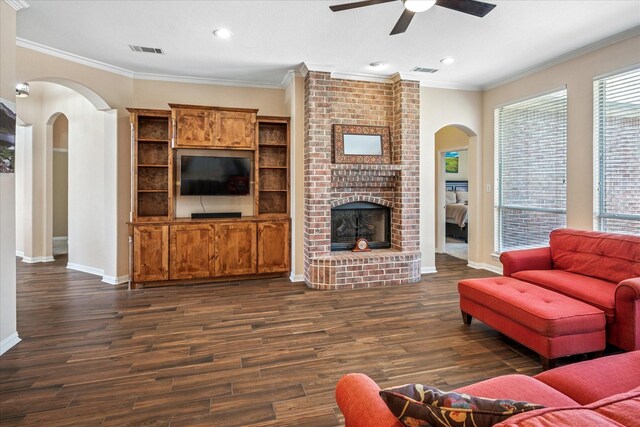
(526, 259)
(359, 400)
(627, 332)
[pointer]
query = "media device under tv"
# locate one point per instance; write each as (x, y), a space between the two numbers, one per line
(215, 176)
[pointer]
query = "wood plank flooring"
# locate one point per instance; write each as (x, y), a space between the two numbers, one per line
(259, 353)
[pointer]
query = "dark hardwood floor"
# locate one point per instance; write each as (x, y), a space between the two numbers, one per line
(260, 353)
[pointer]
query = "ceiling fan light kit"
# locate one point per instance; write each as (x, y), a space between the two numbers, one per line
(470, 7)
(418, 5)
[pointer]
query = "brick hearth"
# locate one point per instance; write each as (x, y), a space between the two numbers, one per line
(335, 101)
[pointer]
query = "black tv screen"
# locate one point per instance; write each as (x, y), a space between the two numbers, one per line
(214, 176)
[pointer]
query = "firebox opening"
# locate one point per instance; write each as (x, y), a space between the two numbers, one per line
(351, 221)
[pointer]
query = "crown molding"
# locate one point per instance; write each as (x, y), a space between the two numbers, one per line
(362, 77)
(73, 57)
(562, 58)
(447, 85)
(292, 74)
(303, 69)
(204, 80)
(131, 74)
(17, 4)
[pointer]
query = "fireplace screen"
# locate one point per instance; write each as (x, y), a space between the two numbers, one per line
(352, 221)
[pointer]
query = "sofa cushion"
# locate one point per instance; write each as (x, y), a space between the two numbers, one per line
(623, 408)
(612, 374)
(416, 404)
(596, 292)
(565, 417)
(607, 256)
(518, 387)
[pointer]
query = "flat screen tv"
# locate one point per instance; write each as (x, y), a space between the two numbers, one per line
(214, 176)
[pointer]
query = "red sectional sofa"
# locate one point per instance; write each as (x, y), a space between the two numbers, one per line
(600, 269)
(599, 392)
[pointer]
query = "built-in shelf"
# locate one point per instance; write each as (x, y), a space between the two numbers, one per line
(273, 166)
(152, 165)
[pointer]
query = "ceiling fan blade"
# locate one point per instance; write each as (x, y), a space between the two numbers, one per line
(403, 22)
(347, 6)
(471, 7)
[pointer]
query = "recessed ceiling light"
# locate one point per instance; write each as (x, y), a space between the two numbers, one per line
(448, 60)
(378, 65)
(222, 33)
(418, 5)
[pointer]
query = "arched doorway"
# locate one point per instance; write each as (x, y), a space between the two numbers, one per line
(91, 130)
(60, 183)
(454, 180)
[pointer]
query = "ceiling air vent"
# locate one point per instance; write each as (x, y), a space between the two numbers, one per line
(424, 70)
(146, 49)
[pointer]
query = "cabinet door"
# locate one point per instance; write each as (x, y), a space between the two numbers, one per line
(273, 247)
(192, 251)
(150, 253)
(195, 128)
(235, 248)
(237, 129)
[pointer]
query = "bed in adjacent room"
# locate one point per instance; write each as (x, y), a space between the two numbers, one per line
(456, 212)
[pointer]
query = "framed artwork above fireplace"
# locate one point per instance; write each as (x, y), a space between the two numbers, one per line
(361, 144)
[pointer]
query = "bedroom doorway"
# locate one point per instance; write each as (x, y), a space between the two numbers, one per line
(452, 182)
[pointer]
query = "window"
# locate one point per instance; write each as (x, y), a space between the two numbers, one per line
(530, 165)
(617, 152)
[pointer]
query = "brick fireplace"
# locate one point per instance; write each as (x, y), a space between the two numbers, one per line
(328, 185)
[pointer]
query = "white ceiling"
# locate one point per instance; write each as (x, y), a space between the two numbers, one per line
(271, 37)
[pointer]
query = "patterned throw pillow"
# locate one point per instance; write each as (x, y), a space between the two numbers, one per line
(417, 405)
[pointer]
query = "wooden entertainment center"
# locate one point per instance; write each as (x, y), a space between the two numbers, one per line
(168, 250)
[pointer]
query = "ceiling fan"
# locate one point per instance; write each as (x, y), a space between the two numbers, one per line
(411, 7)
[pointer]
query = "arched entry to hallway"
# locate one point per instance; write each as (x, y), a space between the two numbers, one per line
(91, 153)
(60, 184)
(454, 181)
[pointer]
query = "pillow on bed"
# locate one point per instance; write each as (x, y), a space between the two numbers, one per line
(462, 196)
(451, 197)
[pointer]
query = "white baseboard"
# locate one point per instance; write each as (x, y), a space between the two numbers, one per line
(60, 238)
(9, 342)
(113, 280)
(296, 277)
(33, 260)
(485, 266)
(85, 269)
(428, 270)
(20, 254)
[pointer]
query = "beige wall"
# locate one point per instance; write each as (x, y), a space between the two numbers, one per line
(440, 108)
(60, 194)
(577, 75)
(294, 100)
(60, 176)
(8, 323)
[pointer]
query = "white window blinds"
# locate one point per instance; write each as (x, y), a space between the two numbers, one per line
(617, 152)
(530, 165)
